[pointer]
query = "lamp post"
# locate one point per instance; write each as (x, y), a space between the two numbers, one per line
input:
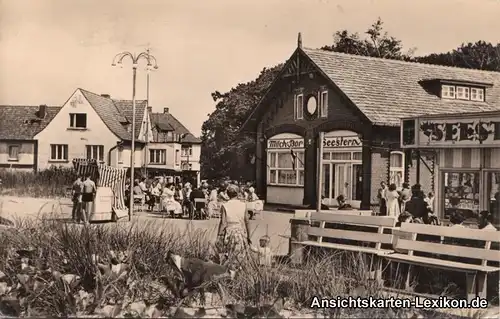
(151, 62)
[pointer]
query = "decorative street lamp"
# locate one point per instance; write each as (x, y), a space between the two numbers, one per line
(151, 63)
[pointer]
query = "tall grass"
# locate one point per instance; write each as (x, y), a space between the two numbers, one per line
(51, 182)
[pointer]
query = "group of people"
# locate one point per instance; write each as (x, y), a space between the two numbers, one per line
(415, 206)
(180, 199)
(82, 193)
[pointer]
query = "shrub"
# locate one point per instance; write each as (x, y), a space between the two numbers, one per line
(51, 182)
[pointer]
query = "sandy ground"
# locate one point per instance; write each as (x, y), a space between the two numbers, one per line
(274, 223)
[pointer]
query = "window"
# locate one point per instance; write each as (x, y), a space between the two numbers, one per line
(461, 194)
(177, 158)
(58, 152)
(281, 170)
(13, 152)
(185, 166)
(187, 151)
(120, 155)
(95, 152)
(323, 104)
(78, 120)
(396, 169)
(462, 93)
(157, 156)
(477, 94)
(298, 106)
(448, 92)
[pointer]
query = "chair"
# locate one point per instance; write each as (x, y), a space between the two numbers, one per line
(200, 206)
(139, 202)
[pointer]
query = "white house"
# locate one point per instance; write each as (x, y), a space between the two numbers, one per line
(173, 149)
(93, 126)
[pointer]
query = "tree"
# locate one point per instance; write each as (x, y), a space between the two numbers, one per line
(224, 151)
(480, 55)
(377, 44)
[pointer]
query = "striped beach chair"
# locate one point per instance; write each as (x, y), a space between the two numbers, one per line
(106, 176)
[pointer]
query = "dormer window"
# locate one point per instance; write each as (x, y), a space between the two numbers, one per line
(461, 92)
(477, 94)
(448, 92)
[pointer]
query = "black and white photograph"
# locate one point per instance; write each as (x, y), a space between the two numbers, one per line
(250, 158)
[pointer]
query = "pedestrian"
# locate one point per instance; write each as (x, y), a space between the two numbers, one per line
(404, 196)
(485, 221)
(89, 190)
(392, 200)
(76, 198)
(234, 228)
(381, 195)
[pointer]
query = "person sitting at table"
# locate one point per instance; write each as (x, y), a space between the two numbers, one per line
(250, 195)
(154, 192)
(457, 219)
(342, 203)
(169, 203)
(485, 221)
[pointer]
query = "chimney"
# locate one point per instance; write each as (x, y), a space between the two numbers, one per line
(165, 110)
(42, 111)
(150, 109)
(106, 96)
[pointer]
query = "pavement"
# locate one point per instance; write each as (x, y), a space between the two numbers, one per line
(275, 224)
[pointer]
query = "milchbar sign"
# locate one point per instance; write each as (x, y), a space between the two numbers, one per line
(341, 141)
(459, 132)
(286, 143)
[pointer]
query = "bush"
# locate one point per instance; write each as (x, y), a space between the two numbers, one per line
(59, 269)
(51, 182)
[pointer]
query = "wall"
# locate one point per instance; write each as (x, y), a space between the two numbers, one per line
(139, 156)
(57, 132)
(170, 155)
(285, 195)
(26, 155)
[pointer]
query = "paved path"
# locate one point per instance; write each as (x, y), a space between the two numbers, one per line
(275, 223)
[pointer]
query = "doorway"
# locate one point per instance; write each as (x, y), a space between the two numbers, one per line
(342, 179)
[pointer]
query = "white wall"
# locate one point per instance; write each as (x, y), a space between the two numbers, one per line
(58, 132)
(26, 155)
(285, 195)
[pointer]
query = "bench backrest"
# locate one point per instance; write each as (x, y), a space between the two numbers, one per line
(370, 228)
(307, 213)
(447, 242)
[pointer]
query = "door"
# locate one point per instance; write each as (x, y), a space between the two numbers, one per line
(327, 185)
(342, 181)
(357, 185)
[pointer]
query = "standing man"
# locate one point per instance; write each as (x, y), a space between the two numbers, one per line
(76, 195)
(89, 190)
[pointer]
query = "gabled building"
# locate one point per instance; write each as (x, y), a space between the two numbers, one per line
(18, 127)
(357, 102)
(173, 149)
(93, 126)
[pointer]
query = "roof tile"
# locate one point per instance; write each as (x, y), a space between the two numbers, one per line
(165, 121)
(22, 122)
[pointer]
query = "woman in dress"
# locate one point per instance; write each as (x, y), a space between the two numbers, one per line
(392, 201)
(169, 204)
(233, 234)
(212, 202)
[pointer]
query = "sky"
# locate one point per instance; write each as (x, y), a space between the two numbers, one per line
(48, 48)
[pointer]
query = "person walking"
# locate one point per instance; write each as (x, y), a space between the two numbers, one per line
(89, 190)
(76, 198)
(234, 228)
(382, 199)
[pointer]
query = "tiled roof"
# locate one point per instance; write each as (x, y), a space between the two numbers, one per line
(167, 120)
(387, 90)
(125, 107)
(22, 122)
(116, 114)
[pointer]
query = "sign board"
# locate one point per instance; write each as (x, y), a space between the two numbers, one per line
(285, 143)
(458, 132)
(342, 141)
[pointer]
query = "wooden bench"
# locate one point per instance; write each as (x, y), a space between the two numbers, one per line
(303, 213)
(354, 233)
(449, 248)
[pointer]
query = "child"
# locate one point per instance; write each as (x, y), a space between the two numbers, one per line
(264, 251)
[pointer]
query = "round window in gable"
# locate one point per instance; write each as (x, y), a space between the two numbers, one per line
(312, 105)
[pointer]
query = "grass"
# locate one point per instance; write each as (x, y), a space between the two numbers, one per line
(48, 183)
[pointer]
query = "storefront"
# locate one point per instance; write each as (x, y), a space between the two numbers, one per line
(342, 167)
(467, 171)
(285, 168)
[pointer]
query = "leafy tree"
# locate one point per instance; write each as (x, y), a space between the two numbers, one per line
(480, 55)
(223, 153)
(377, 43)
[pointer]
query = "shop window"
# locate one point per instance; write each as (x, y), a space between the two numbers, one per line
(461, 194)
(397, 169)
(283, 171)
(341, 156)
(493, 195)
